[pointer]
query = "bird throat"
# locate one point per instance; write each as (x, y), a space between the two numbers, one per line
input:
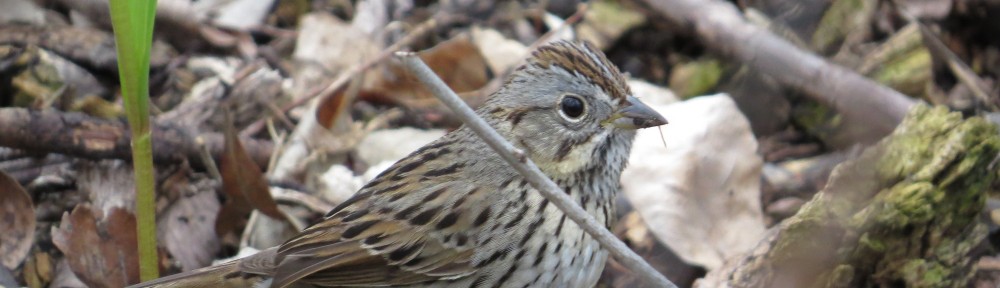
(578, 158)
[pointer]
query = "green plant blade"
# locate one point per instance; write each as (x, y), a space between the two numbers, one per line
(132, 21)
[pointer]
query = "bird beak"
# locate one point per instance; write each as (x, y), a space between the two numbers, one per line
(635, 115)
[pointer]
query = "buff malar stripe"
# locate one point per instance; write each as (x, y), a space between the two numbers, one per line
(592, 64)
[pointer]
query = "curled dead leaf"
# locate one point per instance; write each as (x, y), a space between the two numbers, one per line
(245, 187)
(101, 249)
(457, 61)
(17, 222)
(333, 111)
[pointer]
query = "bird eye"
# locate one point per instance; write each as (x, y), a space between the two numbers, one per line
(571, 107)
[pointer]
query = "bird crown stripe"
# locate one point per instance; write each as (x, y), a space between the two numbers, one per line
(585, 60)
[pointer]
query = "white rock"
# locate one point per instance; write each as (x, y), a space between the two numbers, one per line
(700, 194)
(376, 169)
(501, 53)
(380, 149)
(651, 94)
(21, 12)
(331, 42)
(339, 183)
(394, 144)
(241, 14)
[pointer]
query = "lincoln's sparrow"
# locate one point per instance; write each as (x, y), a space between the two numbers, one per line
(453, 214)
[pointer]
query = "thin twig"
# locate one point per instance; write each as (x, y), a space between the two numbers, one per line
(581, 10)
(279, 140)
(955, 64)
(313, 203)
(417, 32)
(206, 158)
(530, 171)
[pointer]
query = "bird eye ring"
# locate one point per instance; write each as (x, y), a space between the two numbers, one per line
(572, 107)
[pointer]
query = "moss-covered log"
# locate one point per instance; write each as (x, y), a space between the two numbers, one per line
(904, 213)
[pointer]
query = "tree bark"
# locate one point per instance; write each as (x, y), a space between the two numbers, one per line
(83, 136)
(905, 213)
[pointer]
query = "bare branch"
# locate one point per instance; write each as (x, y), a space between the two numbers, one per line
(722, 29)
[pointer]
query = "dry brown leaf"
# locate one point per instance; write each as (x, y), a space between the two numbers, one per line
(186, 228)
(331, 107)
(457, 61)
(324, 47)
(333, 111)
(101, 253)
(245, 187)
(17, 222)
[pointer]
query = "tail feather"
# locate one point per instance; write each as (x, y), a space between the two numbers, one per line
(245, 272)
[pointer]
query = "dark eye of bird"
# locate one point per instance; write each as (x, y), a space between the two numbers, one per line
(572, 106)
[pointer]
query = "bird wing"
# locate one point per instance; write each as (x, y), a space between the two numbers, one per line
(411, 224)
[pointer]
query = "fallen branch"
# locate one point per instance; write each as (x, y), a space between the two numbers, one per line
(91, 48)
(83, 136)
(516, 159)
(722, 29)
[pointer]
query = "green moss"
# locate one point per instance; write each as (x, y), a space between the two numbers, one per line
(843, 17)
(922, 273)
(39, 83)
(872, 244)
(797, 235)
(909, 204)
(920, 138)
(696, 77)
(817, 119)
(937, 164)
(905, 211)
(614, 14)
(908, 73)
(840, 277)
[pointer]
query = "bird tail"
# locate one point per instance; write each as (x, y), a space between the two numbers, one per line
(251, 271)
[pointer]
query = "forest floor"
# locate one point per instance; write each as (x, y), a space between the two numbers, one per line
(319, 106)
